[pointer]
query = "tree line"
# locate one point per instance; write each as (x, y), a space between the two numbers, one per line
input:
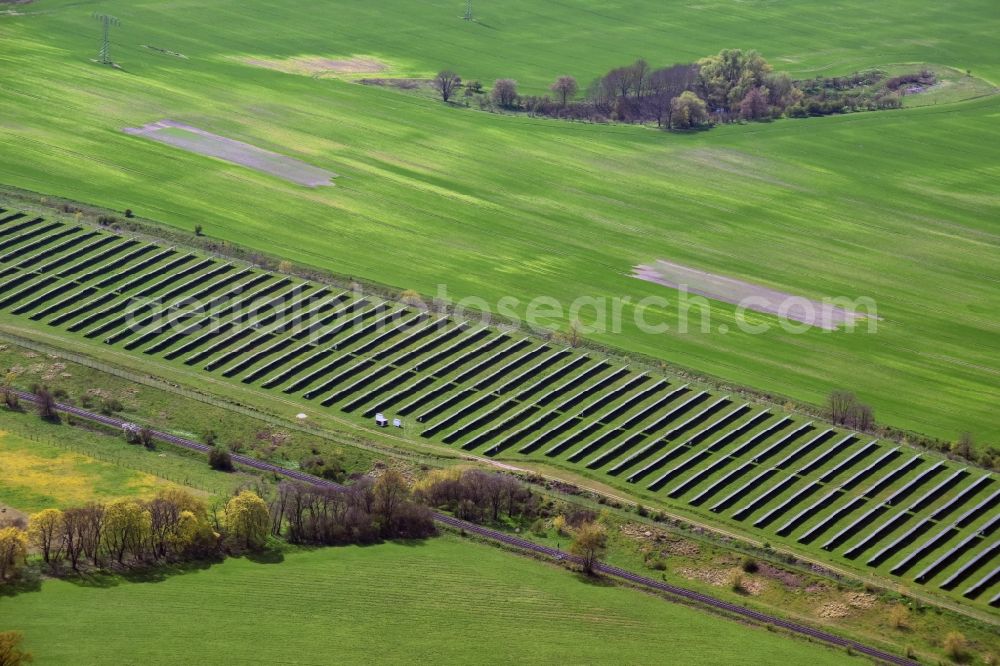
(734, 84)
(476, 495)
(176, 526)
(845, 409)
(368, 511)
(173, 526)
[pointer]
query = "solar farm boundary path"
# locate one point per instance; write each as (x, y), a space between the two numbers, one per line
(516, 542)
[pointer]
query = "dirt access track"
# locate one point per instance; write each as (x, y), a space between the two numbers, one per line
(199, 141)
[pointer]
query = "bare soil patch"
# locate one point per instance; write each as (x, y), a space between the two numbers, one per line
(205, 143)
(851, 604)
(833, 609)
(861, 600)
(723, 577)
(787, 578)
(664, 542)
(319, 65)
(750, 296)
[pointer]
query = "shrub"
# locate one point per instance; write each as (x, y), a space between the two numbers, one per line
(46, 404)
(129, 213)
(963, 446)
(220, 460)
(749, 565)
(111, 405)
(327, 467)
(580, 517)
(247, 521)
(689, 110)
(10, 399)
(106, 220)
(145, 437)
(956, 646)
(589, 544)
(504, 93)
(899, 617)
(198, 230)
(559, 523)
(11, 653)
(13, 551)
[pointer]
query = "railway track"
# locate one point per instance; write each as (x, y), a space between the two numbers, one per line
(517, 542)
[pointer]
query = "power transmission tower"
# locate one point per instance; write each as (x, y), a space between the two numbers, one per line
(468, 10)
(104, 57)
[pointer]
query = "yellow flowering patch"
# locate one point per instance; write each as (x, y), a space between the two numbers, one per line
(35, 475)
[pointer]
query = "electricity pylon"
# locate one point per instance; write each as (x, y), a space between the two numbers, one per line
(468, 10)
(104, 57)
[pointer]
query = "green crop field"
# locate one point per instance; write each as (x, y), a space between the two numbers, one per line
(894, 206)
(435, 600)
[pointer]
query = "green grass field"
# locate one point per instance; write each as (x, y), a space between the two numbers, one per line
(895, 206)
(437, 600)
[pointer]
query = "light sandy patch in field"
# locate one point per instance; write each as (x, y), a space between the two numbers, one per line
(319, 65)
(205, 143)
(750, 296)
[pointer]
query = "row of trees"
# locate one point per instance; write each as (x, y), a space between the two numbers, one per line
(173, 526)
(369, 510)
(627, 94)
(177, 526)
(733, 84)
(476, 495)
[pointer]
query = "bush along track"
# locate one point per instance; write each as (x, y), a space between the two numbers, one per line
(513, 541)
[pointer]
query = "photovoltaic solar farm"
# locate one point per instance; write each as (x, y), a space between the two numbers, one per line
(501, 394)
